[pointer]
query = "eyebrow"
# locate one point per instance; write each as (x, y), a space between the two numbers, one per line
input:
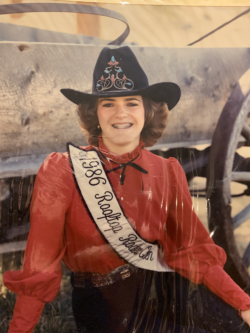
(132, 98)
(113, 100)
(107, 99)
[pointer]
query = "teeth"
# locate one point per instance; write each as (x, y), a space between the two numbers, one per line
(121, 126)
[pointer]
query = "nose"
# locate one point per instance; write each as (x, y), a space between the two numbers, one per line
(121, 111)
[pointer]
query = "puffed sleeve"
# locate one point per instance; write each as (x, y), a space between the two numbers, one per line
(190, 250)
(39, 281)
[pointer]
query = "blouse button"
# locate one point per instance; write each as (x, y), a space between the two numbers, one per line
(121, 198)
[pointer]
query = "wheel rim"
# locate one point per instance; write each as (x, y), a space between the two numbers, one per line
(221, 161)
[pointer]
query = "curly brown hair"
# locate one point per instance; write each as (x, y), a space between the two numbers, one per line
(156, 118)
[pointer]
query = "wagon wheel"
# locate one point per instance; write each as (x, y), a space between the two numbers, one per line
(224, 167)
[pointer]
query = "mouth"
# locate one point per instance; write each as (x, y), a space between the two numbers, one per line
(122, 126)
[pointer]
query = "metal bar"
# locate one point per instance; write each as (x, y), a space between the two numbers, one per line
(21, 166)
(241, 217)
(221, 26)
(240, 176)
(29, 165)
(67, 8)
(180, 144)
(13, 247)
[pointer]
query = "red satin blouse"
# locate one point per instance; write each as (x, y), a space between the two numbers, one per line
(157, 204)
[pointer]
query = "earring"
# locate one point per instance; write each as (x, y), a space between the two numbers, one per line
(98, 126)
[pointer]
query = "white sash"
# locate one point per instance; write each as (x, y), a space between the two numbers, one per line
(106, 212)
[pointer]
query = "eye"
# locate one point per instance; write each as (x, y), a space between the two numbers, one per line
(131, 104)
(108, 105)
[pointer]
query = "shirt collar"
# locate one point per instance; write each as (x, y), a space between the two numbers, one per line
(119, 158)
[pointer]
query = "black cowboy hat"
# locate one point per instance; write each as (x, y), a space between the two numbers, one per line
(118, 73)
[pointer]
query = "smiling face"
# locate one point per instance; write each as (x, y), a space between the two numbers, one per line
(121, 120)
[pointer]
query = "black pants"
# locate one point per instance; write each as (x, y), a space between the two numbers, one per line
(151, 302)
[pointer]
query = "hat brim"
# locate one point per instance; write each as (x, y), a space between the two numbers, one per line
(167, 92)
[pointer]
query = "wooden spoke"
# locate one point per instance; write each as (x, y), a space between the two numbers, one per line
(246, 132)
(241, 217)
(246, 256)
(240, 176)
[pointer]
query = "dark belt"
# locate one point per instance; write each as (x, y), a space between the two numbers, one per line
(84, 280)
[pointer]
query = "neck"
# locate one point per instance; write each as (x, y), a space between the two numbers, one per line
(122, 148)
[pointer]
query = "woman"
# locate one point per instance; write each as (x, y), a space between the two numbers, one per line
(123, 222)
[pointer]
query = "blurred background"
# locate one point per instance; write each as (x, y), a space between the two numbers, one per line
(151, 25)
